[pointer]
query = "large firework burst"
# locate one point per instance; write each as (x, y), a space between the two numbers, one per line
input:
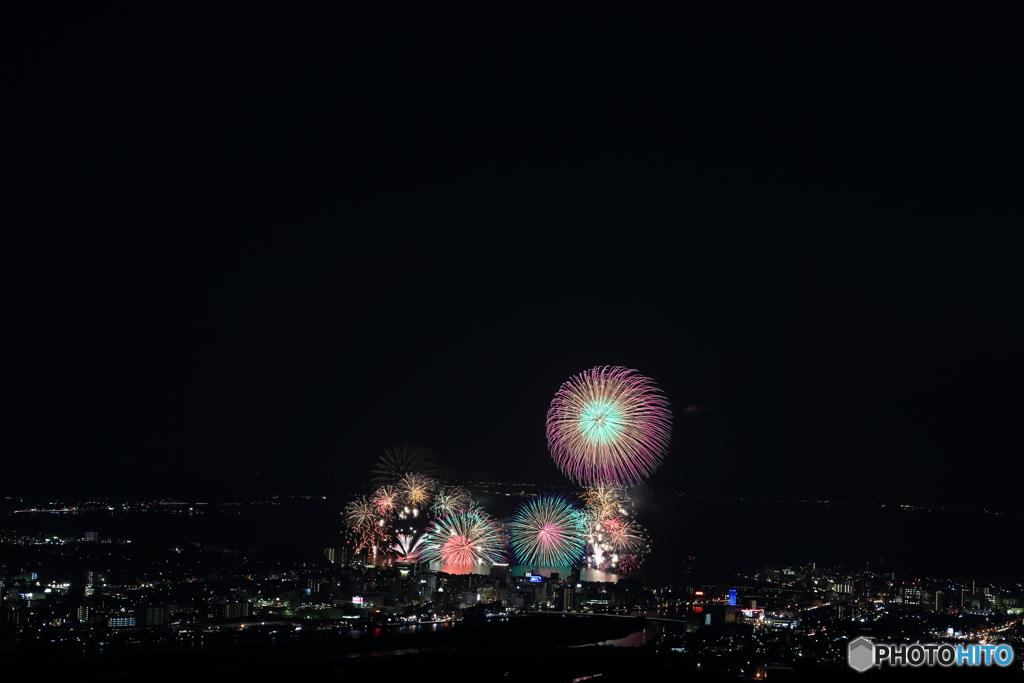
(401, 461)
(608, 425)
(464, 537)
(547, 531)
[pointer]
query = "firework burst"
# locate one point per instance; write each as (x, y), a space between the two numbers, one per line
(547, 531)
(611, 533)
(629, 565)
(608, 425)
(464, 537)
(367, 528)
(416, 489)
(401, 461)
(449, 499)
(624, 536)
(605, 500)
(385, 500)
(409, 548)
(360, 512)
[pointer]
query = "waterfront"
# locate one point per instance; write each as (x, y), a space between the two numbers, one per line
(720, 532)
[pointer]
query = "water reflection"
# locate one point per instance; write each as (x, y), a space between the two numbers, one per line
(483, 569)
(598, 575)
(637, 639)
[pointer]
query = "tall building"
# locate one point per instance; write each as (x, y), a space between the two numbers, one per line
(567, 596)
(156, 616)
(234, 610)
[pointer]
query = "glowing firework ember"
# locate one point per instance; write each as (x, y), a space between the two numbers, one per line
(409, 548)
(547, 531)
(608, 425)
(464, 537)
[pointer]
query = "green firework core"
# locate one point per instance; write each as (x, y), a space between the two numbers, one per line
(601, 421)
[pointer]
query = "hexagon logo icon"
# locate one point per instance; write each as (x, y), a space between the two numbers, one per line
(861, 654)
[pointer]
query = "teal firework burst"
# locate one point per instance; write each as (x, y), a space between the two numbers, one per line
(548, 531)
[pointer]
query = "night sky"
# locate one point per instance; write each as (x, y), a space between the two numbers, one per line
(253, 254)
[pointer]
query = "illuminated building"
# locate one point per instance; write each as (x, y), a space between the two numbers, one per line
(567, 598)
(234, 610)
(156, 616)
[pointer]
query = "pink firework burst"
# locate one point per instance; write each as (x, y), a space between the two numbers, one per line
(385, 499)
(464, 537)
(459, 550)
(623, 536)
(608, 425)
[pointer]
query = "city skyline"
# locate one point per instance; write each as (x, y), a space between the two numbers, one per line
(254, 256)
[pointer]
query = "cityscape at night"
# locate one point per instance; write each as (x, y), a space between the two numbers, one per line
(349, 349)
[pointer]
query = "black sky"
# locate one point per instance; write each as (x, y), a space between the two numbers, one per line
(279, 245)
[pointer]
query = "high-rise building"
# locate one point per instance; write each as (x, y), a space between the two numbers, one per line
(567, 596)
(234, 610)
(156, 616)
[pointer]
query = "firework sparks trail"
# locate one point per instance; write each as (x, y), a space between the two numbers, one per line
(603, 501)
(360, 512)
(416, 489)
(623, 536)
(608, 425)
(403, 460)
(409, 548)
(611, 533)
(547, 531)
(629, 565)
(366, 527)
(450, 499)
(385, 500)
